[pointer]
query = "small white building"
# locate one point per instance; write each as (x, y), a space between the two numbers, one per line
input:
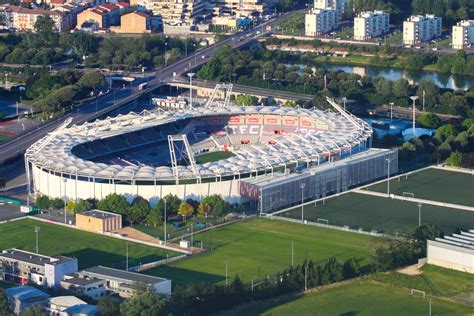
(453, 252)
(463, 34)
(320, 21)
(91, 287)
(419, 28)
(62, 306)
(370, 24)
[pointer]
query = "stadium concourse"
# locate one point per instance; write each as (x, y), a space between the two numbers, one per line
(153, 153)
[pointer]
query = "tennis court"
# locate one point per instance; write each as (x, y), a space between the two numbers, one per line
(433, 184)
(381, 214)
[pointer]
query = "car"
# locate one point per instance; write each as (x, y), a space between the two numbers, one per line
(203, 56)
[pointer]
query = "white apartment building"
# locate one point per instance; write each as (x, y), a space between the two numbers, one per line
(182, 12)
(463, 34)
(320, 21)
(340, 6)
(418, 29)
(369, 24)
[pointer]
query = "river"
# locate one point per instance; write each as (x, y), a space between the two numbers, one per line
(442, 80)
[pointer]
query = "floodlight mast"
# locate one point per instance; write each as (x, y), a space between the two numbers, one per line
(414, 98)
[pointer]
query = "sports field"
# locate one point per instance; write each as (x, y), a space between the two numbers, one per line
(213, 156)
(359, 298)
(382, 214)
(433, 184)
(260, 247)
(90, 249)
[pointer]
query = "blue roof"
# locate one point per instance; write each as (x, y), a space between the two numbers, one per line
(26, 292)
(81, 309)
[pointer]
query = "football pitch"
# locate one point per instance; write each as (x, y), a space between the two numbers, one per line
(358, 298)
(259, 247)
(433, 184)
(90, 249)
(382, 214)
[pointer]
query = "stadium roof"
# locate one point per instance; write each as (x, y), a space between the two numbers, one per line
(342, 135)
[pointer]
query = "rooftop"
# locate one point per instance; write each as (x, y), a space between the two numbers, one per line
(81, 281)
(33, 258)
(100, 214)
(66, 301)
(121, 275)
(26, 292)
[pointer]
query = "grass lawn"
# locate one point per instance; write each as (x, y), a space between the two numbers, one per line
(434, 184)
(358, 298)
(90, 249)
(394, 38)
(213, 156)
(259, 247)
(434, 280)
(382, 214)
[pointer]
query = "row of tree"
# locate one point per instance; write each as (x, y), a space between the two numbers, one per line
(140, 211)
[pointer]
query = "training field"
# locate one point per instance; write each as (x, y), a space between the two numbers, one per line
(90, 249)
(382, 214)
(433, 184)
(359, 298)
(260, 247)
(213, 156)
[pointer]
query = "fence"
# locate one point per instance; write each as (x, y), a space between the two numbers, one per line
(151, 265)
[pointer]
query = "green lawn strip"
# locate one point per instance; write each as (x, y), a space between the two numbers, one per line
(90, 249)
(257, 248)
(362, 297)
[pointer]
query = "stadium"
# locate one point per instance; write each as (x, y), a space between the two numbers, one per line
(154, 153)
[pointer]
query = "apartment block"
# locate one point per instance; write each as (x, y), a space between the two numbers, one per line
(240, 8)
(341, 6)
(368, 25)
(176, 13)
(24, 19)
(320, 21)
(463, 34)
(21, 266)
(418, 29)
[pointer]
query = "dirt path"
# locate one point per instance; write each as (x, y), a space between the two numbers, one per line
(410, 270)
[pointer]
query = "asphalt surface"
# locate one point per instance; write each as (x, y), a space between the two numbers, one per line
(92, 109)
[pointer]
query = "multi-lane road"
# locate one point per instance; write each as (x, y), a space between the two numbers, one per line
(105, 104)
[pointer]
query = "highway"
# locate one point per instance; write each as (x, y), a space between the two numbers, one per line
(105, 103)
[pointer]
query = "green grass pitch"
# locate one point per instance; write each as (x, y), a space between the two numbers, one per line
(259, 247)
(433, 184)
(213, 156)
(382, 214)
(359, 298)
(90, 249)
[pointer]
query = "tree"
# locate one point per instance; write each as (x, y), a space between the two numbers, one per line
(172, 204)
(45, 35)
(57, 204)
(245, 100)
(154, 217)
(218, 205)
(82, 44)
(113, 203)
(108, 307)
(426, 232)
(35, 310)
(401, 88)
(429, 120)
(204, 209)
(4, 308)
(185, 209)
(70, 205)
(138, 210)
(455, 159)
(82, 206)
(147, 303)
(92, 80)
(43, 202)
(431, 92)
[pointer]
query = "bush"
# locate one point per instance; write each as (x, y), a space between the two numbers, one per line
(57, 204)
(43, 202)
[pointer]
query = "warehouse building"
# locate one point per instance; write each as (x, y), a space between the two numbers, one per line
(98, 221)
(453, 252)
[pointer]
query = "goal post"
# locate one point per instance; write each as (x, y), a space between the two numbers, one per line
(408, 194)
(322, 221)
(415, 292)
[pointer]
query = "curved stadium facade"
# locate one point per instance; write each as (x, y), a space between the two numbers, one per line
(133, 154)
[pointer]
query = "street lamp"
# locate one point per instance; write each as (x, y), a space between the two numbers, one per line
(164, 222)
(419, 213)
(424, 100)
(37, 230)
(302, 185)
(391, 111)
(190, 75)
(65, 200)
(344, 100)
(414, 98)
(194, 44)
(166, 58)
(388, 160)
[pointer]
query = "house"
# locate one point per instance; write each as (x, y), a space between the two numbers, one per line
(105, 15)
(64, 305)
(91, 287)
(123, 282)
(21, 297)
(134, 22)
(21, 266)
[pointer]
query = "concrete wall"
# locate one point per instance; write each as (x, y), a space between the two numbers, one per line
(450, 256)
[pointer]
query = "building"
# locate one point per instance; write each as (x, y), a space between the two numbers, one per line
(320, 21)
(91, 287)
(134, 22)
(229, 22)
(418, 29)
(104, 15)
(341, 6)
(21, 266)
(240, 8)
(63, 305)
(369, 24)
(463, 34)
(98, 221)
(24, 19)
(175, 13)
(123, 282)
(21, 297)
(453, 252)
